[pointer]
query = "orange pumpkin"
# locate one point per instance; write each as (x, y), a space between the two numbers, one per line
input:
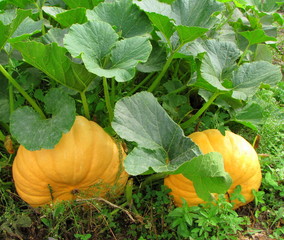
(240, 161)
(85, 163)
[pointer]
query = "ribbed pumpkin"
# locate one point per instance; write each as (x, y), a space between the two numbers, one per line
(85, 163)
(240, 161)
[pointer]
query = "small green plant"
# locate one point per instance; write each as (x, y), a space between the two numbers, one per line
(208, 221)
(82, 236)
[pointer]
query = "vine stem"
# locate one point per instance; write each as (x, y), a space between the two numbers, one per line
(2, 136)
(85, 105)
(152, 178)
(201, 110)
(145, 80)
(107, 99)
(162, 73)
(22, 91)
(244, 54)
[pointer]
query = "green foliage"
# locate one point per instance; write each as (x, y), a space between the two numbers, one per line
(210, 221)
(207, 64)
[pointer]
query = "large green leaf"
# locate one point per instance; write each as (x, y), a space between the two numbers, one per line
(127, 18)
(198, 13)
(156, 60)
(27, 28)
(35, 133)
(161, 144)
(257, 36)
(9, 22)
(207, 174)
(163, 23)
(52, 60)
(67, 17)
(103, 54)
(188, 34)
(217, 63)
(90, 4)
(247, 79)
(251, 115)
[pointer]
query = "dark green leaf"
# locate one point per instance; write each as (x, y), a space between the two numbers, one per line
(35, 133)
(52, 60)
(127, 19)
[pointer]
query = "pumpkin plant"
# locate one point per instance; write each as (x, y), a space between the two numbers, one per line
(86, 163)
(240, 161)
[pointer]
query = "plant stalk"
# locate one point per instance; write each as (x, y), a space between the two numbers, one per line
(152, 178)
(85, 105)
(244, 54)
(2, 136)
(201, 110)
(11, 99)
(161, 74)
(107, 99)
(22, 91)
(146, 79)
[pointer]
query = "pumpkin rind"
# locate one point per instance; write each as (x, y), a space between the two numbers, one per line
(85, 163)
(240, 161)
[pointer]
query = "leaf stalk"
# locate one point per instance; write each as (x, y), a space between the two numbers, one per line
(152, 178)
(22, 91)
(201, 110)
(85, 105)
(107, 99)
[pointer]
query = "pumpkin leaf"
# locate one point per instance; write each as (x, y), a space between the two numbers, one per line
(207, 174)
(156, 60)
(257, 36)
(198, 13)
(163, 23)
(247, 79)
(188, 34)
(127, 18)
(161, 144)
(67, 17)
(10, 20)
(52, 60)
(33, 132)
(97, 44)
(90, 4)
